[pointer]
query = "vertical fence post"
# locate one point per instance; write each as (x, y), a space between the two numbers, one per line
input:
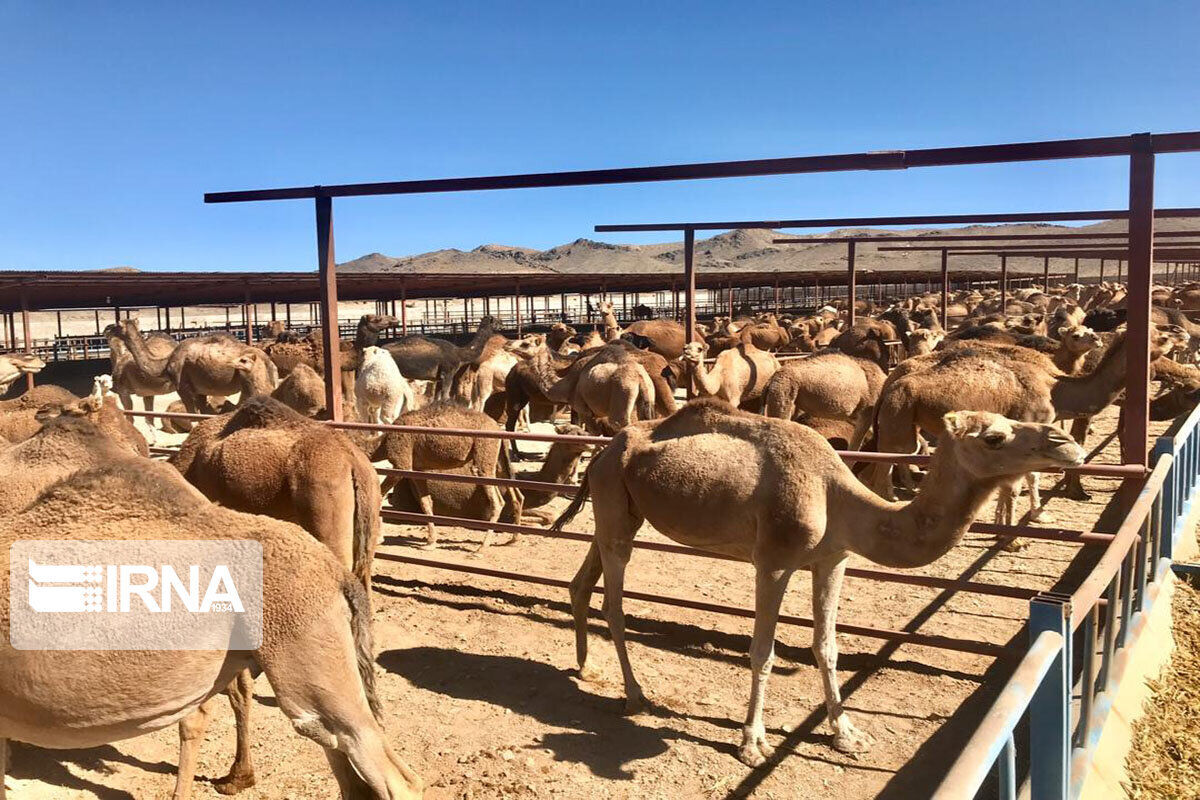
(1050, 709)
(851, 282)
(945, 284)
(689, 288)
(1141, 260)
(25, 333)
(327, 270)
(1003, 284)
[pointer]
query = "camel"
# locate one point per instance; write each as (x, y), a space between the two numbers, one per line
(18, 415)
(14, 365)
(471, 502)
(303, 391)
(666, 336)
(426, 358)
(526, 385)
(287, 350)
(828, 385)
(656, 366)
(923, 340)
(738, 377)
(381, 392)
(264, 458)
(129, 378)
(786, 502)
(560, 333)
(316, 648)
(867, 339)
(1007, 380)
(608, 388)
(487, 374)
(767, 335)
(437, 452)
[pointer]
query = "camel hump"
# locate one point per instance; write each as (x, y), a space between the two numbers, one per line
(263, 411)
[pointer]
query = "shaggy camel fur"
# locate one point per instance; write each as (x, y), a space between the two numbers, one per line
(607, 389)
(303, 391)
(18, 415)
(287, 351)
(129, 378)
(620, 352)
(265, 458)
(767, 335)
(425, 358)
(739, 376)
(14, 365)
(867, 339)
(380, 391)
(316, 648)
(785, 501)
(829, 385)
(471, 502)
(923, 340)
(439, 452)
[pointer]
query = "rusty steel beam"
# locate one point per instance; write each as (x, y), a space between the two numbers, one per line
(1003, 284)
(27, 335)
(994, 237)
(945, 286)
(331, 341)
(1098, 147)
(1136, 412)
(904, 637)
(850, 282)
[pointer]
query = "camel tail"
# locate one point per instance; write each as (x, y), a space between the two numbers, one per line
(572, 510)
(780, 399)
(364, 647)
(644, 404)
(366, 520)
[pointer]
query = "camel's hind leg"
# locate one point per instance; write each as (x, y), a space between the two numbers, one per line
(495, 506)
(191, 734)
(241, 700)
(581, 593)
(827, 585)
(769, 587)
(425, 501)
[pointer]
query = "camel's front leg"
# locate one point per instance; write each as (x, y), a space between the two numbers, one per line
(769, 586)
(613, 559)
(241, 699)
(827, 584)
(191, 734)
(425, 501)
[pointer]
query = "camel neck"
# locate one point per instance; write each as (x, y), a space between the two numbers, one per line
(702, 382)
(141, 354)
(914, 534)
(1087, 395)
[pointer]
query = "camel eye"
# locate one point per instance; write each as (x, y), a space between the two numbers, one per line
(994, 439)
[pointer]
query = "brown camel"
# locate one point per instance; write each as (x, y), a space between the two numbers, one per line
(18, 415)
(828, 385)
(14, 365)
(526, 386)
(471, 502)
(1012, 381)
(303, 391)
(607, 389)
(620, 352)
(666, 337)
(316, 648)
(287, 351)
(767, 335)
(739, 376)
(129, 378)
(560, 333)
(265, 458)
(439, 452)
(867, 339)
(784, 501)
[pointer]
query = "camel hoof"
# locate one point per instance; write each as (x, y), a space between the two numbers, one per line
(589, 674)
(755, 754)
(234, 782)
(635, 705)
(1077, 493)
(1041, 515)
(1015, 545)
(851, 740)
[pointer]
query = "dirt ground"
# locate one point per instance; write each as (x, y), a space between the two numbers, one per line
(482, 700)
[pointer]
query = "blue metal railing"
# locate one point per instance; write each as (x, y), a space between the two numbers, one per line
(1107, 611)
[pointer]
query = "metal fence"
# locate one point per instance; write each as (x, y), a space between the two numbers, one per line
(1078, 643)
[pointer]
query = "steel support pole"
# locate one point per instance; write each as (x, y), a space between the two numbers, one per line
(851, 286)
(1141, 262)
(327, 271)
(26, 333)
(1003, 284)
(1102, 270)
(1119, 265)
(1077, 270)
(517, 304)
(1050, 707)
(945, 285)
(246, 319)
(1046, 274)
(689, 289)
(403, 308)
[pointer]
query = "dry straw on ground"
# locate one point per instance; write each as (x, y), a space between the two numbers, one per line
(1164, 761)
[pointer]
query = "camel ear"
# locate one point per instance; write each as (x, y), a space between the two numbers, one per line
(1063, 331)
(960, 424)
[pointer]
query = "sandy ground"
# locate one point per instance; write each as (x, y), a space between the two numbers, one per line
(482, 700)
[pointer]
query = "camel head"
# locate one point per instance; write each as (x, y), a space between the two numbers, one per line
(378, 322)
(254, 374)
(693, 352)
(988, 445)
(24, 363)
(1165, 338)
(1079, 338)
(373, 354)
(923, 340)
(527, 345)
(102, 385)
(275, 327)
(605, 307)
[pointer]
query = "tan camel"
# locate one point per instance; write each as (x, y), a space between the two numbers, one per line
(784, 501)
(1012, 381)
(18, 415)
(316, 648)
(828, 385)
(14, 365)
(608, 394)
(923, 340)
(303, 391)
(767, 335)
(666, 337)
(739, 376)
(129, 378)
(440, 452)
(471, 502)
(619, 352)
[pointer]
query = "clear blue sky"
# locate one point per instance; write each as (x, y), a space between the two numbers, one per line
(118, 116)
